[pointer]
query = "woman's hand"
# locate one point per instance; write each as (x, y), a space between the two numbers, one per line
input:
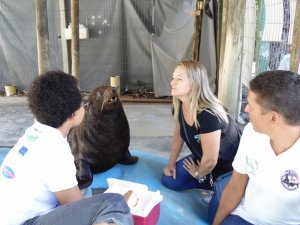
(191, 166)
(170, 170)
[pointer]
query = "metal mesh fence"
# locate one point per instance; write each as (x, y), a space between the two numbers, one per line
(267, 40)
(275, 23)
(268, 30)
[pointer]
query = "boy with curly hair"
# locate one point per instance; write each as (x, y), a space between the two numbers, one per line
(38, 176)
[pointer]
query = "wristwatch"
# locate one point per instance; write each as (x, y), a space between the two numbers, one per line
(200, 179)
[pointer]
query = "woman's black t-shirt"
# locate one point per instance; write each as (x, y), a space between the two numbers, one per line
(230, 138)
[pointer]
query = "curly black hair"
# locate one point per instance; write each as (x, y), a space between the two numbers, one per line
(53, 97)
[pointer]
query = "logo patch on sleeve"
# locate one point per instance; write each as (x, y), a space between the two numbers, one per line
(23, 150)
(31, 138)
(8, 172)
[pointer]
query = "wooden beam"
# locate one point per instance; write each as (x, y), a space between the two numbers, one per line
(295, 49)
(64, 42)
(231, 55)
(75, 37)
(42, 34)
(197, 29)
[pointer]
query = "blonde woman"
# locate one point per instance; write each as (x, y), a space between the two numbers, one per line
(204, 125)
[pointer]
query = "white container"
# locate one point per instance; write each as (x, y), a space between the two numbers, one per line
(83, 32)
(146, 200)
(10, 90)
(115, 82)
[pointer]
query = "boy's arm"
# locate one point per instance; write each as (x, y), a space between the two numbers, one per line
(69, 195)
(231, 197)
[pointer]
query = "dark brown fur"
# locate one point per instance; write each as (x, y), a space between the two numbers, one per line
(103, 137)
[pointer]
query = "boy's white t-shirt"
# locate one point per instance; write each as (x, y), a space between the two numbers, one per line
(272, 194)
(40, 164)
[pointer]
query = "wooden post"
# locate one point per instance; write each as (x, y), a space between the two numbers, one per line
(295, 50)
(197, 29)
(64, 42)
(75, 37)
(42, 36)
(231, 55)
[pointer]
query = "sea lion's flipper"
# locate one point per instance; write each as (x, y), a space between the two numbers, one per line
(128, 159)
(84, 175)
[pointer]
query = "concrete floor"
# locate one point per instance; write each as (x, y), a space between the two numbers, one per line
(151, 125)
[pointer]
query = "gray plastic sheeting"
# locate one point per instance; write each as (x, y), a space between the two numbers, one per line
(141, 41)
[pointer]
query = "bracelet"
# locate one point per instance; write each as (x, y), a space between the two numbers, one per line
(200, 179)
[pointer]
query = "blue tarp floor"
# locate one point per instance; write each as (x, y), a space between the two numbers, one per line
(151, 127)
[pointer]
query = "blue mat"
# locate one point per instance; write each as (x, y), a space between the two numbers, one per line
(177, 208)
(3, 152)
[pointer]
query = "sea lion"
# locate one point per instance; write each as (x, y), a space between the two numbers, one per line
(102, 139)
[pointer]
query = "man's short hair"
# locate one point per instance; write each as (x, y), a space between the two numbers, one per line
(53, 97)
(279, 91)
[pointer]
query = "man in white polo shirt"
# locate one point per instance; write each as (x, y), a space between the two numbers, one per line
(264, 188)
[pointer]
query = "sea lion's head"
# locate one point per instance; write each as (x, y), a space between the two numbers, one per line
(104, 98)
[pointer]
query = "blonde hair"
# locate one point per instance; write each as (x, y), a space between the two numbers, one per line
(200, 97)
